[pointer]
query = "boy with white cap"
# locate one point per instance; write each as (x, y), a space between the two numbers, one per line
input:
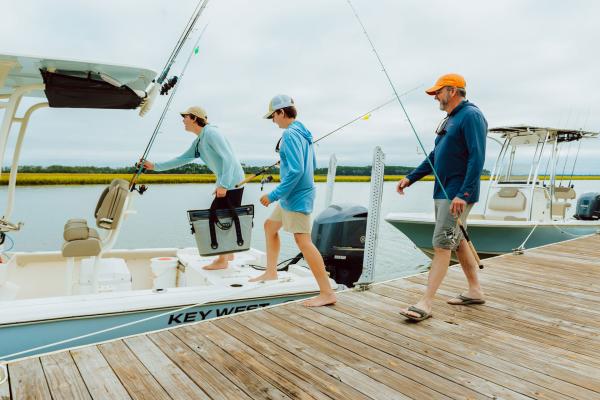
(216, 152)
(296, 194)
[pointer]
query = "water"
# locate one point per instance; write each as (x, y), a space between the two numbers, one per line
(161, 219)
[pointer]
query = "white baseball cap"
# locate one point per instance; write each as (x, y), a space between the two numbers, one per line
(277, 103)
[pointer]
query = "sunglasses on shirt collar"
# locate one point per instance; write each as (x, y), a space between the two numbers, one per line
(441, 128)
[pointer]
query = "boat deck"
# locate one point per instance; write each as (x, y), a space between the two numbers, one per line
(538, 336)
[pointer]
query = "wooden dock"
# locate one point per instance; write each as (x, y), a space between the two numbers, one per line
(538, 336)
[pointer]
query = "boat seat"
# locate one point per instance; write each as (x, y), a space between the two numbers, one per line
(508, 199)
(84, 242)
(110, 205)
(511, 218)
(562, 195)
(80, 240)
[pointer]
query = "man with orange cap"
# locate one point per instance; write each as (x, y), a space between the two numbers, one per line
(458, 158)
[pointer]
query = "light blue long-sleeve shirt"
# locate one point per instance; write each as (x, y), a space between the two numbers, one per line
(216, 152)
(296, 190)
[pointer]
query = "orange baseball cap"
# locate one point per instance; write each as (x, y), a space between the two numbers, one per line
(455, 80)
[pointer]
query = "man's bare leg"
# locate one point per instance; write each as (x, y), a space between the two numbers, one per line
(220, 262)
(273, 247)
(317, 266)
(439, 268)
(469, 267)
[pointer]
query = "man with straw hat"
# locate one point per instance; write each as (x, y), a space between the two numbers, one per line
(213, 148)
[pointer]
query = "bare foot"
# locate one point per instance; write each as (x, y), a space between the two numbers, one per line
(221, 262)
(267, 276)
(320, 300)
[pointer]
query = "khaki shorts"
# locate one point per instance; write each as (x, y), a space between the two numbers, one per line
(447, 234)
(293, 222)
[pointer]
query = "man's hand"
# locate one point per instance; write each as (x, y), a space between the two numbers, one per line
(457, 206)
(264, 200)
(404, 183)
(220, 192)
(146, 164)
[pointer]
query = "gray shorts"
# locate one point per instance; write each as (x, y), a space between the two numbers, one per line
(447, 234)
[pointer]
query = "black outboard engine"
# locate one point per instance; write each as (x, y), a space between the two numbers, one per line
(339, 234)
(588, 206)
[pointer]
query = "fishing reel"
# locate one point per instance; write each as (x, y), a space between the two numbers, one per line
(141, 189)
(168, 85)
(265, 179)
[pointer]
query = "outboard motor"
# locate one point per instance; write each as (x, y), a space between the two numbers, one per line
(588, 206)
(339, 235)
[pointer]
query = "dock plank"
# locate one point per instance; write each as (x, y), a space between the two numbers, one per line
(420, 370)
(286, 382)
(498, 346)
(352, 369)
(137, 380)
(99, 378)
(175, 382)
(206, 376)
(63, 377)
(287, 361)
(495, 381)
(239, 374)
(28, 380)
(522, 319)
(537, 337)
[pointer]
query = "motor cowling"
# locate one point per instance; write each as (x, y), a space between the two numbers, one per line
(339, 234)
(588, 206)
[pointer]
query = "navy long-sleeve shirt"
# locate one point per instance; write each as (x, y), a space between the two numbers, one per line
(458, 155)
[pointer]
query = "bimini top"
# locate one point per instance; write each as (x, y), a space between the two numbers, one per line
(539, 134)
(76, 84)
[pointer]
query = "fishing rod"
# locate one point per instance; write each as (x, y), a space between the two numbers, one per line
(462, 228)
(140, 164)
(182, 39)
(361, 116)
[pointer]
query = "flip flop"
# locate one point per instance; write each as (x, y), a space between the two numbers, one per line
(423, 314)
(464, 300)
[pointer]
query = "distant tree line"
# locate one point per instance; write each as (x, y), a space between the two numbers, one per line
(203, 169)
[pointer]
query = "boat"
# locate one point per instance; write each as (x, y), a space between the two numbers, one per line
(523, 207)
(88, 291)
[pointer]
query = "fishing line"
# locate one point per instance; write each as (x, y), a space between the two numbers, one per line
(413, 128)
(265, 169)
(182, 39)
(140, 167)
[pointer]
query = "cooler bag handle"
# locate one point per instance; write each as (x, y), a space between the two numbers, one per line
(214, 220)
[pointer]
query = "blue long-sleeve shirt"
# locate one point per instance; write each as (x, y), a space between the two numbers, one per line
(296, 190)
(216, 152)
(458, 155)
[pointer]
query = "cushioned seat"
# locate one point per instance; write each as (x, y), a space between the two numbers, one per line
(508, 199)
(561, 204)
(80, 240)
(84, 242)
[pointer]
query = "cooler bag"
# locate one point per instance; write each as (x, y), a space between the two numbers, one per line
(219, 231)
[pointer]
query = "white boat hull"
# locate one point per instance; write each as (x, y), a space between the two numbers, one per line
(42, 317)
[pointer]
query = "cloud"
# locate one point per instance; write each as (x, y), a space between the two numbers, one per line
(525, 62)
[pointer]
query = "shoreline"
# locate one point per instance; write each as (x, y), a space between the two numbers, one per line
(35, 179)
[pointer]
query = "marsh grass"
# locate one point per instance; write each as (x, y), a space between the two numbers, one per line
(32, 179)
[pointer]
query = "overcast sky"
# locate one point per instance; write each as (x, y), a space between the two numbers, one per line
(525, 62)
